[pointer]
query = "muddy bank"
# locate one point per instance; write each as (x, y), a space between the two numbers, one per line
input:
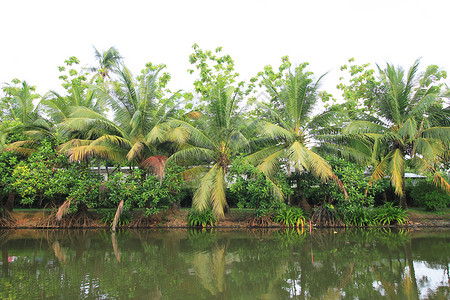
(179, 219)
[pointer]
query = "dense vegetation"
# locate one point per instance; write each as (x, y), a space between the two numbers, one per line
(302, 154)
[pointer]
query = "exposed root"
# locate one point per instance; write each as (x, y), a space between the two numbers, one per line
(7, 219)
(325, 216)
(146, 221)
(265, 221)
(79, 219)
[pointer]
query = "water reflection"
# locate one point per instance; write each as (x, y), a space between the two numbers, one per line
(221, 264)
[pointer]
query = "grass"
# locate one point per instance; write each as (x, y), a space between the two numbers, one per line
(421, 212)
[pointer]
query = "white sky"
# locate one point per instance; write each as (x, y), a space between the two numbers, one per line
(37, 36)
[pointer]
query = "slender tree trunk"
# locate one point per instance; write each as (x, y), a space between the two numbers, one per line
(226, 208)
(303, 202)
(403, 196)
(99, 165)
(9, 206)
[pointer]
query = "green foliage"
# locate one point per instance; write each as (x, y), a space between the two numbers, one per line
(145, 190)
(252, 189)
(8, 162)
(17, 103)
(41, 176)
(359, 92)
(355, 182)
(355, 215)
(159, 194)
(326, 215)
(212, 68)
(425, 194)
(352, 177)
(388, 214)
(290, 216)
(47, 175)
(201, 218)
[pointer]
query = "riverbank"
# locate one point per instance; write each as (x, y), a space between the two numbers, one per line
(236, 218)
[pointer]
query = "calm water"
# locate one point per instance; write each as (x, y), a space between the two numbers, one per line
(219, 264)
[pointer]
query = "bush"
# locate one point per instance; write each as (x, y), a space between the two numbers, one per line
(201, 218)
(47, 176)
(427, 195)
(389, 214)
(354, 215)
(290, 216)
(352, 177)
(252, 189)
(145, 190)
(326, 215)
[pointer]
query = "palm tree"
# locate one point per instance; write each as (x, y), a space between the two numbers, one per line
(18, 103)
(290, 129)
(137, 126)
(107, 61)
(210, 146)
(410, 125)
(60, 107)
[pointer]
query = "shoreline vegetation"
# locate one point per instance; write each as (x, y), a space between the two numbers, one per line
(236, 218)
(119, 150)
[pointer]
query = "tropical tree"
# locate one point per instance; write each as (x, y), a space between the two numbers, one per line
(107, 61)
(138, 124)
(211, 145)
(410, 127)
(17, 104)
(289, 129)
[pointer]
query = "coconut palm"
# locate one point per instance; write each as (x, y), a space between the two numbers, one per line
(26, 116)
(60, 107)
(289, 130)
(137, 126)
(210, 146)
(107, 61)
(410, 126)
(18, 103)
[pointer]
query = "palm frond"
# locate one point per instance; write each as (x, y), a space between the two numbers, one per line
(425, 167)
(200, 201)
(438, 133)
(218, 200)
(155, 164)
(360, 127)
(397, 171)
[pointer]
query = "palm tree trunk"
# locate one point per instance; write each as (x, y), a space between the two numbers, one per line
(303, 202)
(99, 165)
(403, 196)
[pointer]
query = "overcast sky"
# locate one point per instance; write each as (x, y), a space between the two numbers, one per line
(37, 36)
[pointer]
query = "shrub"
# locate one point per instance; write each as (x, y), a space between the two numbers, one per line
(290, 216)
(145, 190)
(354, 215)
(326, 215)
(426, 194)
(252, 189)
(388, 214)
(201, 218)
(352, 177)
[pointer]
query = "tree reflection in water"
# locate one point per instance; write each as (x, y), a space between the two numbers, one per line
(222, 264)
